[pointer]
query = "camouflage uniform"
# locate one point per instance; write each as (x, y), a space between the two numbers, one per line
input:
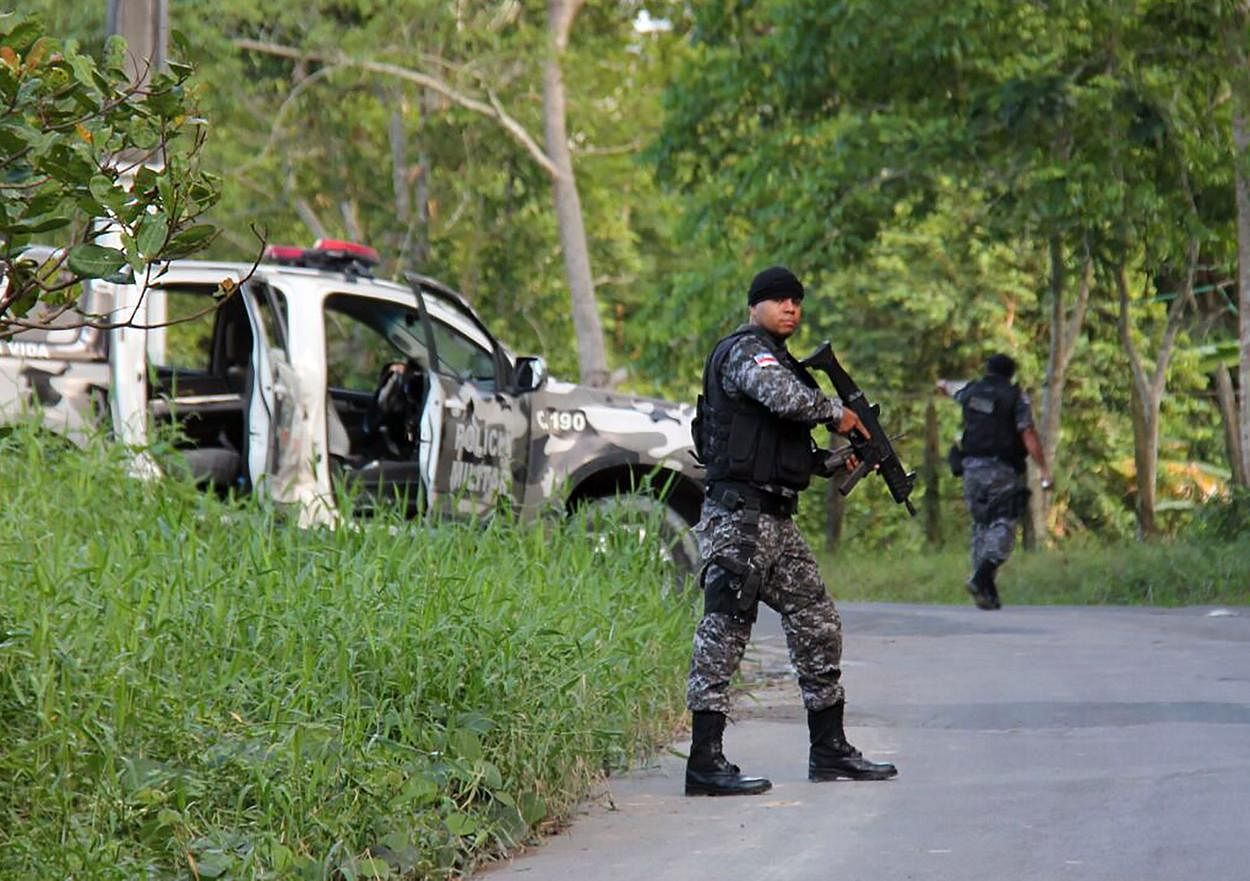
(996, 495)
(791, 582)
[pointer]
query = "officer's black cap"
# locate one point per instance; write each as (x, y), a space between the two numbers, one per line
(1001, 365)
(774, 283)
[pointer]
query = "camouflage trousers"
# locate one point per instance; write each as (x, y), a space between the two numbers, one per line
(996, 496)
(792, 586)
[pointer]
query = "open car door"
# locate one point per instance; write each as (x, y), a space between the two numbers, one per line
(128, 374)
(475, 431)
(283, 454)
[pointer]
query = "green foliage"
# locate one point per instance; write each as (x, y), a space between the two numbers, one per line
(1225, 519)
(322, 146)
(190, 683)
(918, 163)
(807, 126)
(74, 137)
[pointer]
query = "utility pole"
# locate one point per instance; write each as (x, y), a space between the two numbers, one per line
(145, 25)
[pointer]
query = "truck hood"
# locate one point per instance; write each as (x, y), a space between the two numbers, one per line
(649, 430)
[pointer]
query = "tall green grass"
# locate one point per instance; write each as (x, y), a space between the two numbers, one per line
(1177, 572)
(190, 688)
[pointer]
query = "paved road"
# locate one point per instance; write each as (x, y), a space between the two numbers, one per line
(1047, 743)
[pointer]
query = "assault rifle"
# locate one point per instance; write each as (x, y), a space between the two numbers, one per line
(874, 453)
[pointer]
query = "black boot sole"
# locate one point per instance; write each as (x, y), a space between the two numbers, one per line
(826, 775)
(981, 599)
(706, 789)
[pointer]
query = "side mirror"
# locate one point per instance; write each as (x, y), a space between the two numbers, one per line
(531, 373)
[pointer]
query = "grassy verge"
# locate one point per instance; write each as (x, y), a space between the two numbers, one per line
(1171, 573)
(195, 689)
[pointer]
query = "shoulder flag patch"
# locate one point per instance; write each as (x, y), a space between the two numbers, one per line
(765, 359)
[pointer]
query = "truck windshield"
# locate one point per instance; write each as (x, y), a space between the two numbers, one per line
(348, 317)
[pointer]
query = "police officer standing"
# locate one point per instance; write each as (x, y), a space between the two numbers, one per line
(997, 440)
(754, 433)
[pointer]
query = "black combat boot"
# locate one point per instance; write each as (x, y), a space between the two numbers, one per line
(982, 587)
(707, 770)
(832, 757)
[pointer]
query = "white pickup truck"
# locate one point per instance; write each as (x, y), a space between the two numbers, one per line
(312, 376)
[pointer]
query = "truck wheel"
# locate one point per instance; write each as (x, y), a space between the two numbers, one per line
(636, 515)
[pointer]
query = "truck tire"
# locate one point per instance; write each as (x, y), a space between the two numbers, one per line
(637, 514)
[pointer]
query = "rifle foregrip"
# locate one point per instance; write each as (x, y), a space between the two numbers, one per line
(853, 477)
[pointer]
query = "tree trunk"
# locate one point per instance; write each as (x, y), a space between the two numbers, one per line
(398, 140)
(420, 225)
(1066, 326)
(411, 185)
(1147, 390)
(835, 511)
(931, 474)
(1226, 400)
(1241, 138)
(1238, 67)
(1145, 461)
(349, 211)
(306, 212)
(591, 357)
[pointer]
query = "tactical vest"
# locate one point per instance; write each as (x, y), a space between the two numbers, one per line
(989, 406)
(741, 439)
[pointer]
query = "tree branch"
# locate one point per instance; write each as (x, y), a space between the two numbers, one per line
(618, 150)
(1176, 312)
(490, 108)
(298, 90)
(561, 14)
(1076, 318)
(1126, 335)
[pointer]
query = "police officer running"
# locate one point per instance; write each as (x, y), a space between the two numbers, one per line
(754, 432)
(997, 440)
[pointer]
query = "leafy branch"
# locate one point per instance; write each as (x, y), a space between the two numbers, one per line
(107, 165)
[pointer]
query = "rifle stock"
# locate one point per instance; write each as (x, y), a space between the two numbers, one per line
(874, 453)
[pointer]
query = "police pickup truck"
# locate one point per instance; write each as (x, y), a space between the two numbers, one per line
(312, 377)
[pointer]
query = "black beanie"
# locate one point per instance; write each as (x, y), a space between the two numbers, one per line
(1001, 365)
(774, 283)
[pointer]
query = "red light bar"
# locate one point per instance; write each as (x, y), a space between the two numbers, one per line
(283, 253)
(340, 248)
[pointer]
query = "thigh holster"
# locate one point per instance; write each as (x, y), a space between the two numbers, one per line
(731, 584)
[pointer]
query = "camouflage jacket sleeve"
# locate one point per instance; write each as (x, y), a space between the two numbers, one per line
(751, 369)
(1024, 411)
(956, 388)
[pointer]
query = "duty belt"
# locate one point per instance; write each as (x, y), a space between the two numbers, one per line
(736, 496)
